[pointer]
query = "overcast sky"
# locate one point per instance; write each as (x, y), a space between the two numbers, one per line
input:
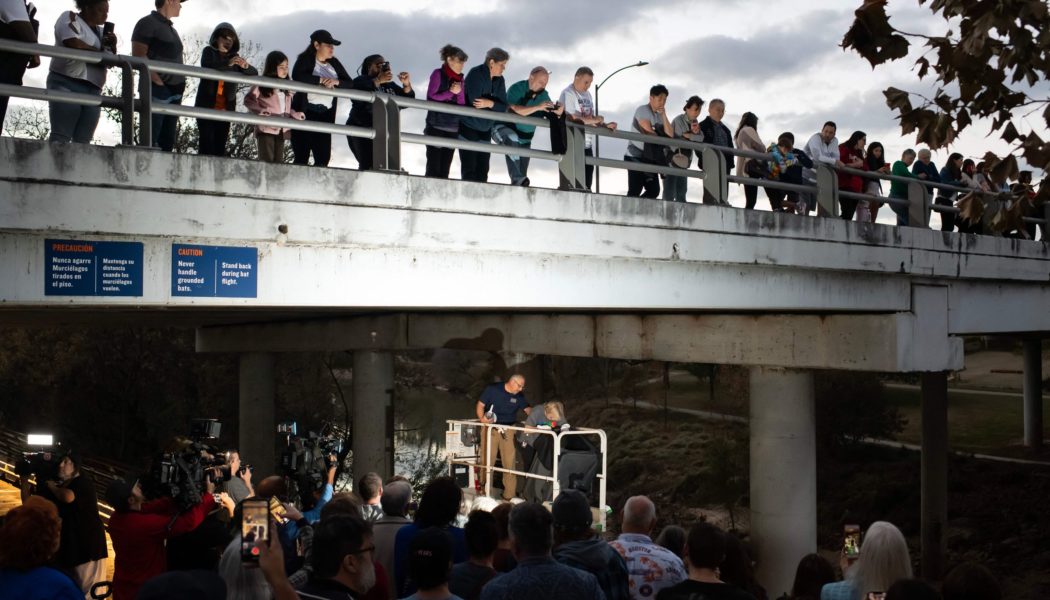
(781, 61)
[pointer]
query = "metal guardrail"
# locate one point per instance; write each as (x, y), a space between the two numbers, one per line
(387, 136)
(475, 462)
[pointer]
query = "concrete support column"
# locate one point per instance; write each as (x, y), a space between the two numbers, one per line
(1033, 393)
(258, 428)
(373, 414)
(531, 366)
(783, 474)
(934, 473)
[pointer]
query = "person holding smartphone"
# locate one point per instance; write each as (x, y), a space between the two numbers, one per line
(375, 76)
(83, 30)
(528, 98)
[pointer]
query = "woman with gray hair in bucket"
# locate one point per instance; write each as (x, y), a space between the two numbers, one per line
(486, 90)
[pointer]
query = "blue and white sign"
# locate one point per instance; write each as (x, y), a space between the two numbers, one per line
(91, 268)
(214, 271)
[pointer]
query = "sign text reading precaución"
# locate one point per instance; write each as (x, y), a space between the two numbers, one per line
(92, 268)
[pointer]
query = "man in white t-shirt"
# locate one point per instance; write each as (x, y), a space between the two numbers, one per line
(17, 23)
(579, 108)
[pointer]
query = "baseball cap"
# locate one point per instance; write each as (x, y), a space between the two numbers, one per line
(322, 36)
(571, 511)
(429, 557)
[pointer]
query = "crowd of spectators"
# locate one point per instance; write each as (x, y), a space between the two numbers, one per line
(486, 88)
(377, 544)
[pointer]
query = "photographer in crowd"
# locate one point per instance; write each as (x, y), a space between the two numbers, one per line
(82, 551)
(139, 530)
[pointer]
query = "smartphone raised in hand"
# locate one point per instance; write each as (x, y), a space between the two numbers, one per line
(255, 526)
(851, 541)
(277, 510)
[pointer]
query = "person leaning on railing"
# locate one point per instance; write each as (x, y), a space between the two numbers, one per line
(486, 90)
(527, 98)
(874, 162)
(79, 31)
(747, 138)
(317, 65)
(851, 154)
(899, 189)
(716, 134)
(221, 54)
(375, 76)
(155, 38)
(446, 86)
(267, 102)
(951, 174)
(17, 23)
(649, 119)
(685, 127)
(579, 108)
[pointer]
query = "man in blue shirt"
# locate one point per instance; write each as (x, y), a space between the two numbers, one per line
(499, 405)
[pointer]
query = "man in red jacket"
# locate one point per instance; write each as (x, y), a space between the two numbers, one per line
(139, 530)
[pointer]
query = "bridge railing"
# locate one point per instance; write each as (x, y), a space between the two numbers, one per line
(387, 136)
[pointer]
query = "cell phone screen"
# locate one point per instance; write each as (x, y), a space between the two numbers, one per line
(255, 525)
(278, 511)
(876, 596)
(851, 543)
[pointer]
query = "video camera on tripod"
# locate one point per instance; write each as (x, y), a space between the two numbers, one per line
(306, 459)
(181, 474)
(42, 463)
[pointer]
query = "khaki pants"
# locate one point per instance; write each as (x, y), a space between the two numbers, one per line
(503, 447)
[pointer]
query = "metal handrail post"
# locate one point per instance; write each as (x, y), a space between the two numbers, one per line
(827, 189)
(569, 165)
(489, 459)
(145, 106)
(716, 182)
(127, 111)
(380, 143)
(393, 133)
(918, 205)
(556, 484)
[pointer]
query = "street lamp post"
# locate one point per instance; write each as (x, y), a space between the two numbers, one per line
(598, 138)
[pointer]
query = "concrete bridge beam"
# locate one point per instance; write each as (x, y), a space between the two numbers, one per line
(783, 473)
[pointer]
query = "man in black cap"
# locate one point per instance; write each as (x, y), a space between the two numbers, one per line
(155, 38)
(577, 545)
(429, 563)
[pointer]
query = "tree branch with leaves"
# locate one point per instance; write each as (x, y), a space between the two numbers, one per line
(988, 64)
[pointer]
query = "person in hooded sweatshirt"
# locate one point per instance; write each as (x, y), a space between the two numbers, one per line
(577, 545)
(221, 54)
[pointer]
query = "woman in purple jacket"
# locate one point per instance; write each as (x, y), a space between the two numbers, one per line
(446, 85)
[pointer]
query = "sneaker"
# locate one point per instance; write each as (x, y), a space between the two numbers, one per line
(525, 182)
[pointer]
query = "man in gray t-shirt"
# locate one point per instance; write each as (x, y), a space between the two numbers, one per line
(155, 38)
(649, 119)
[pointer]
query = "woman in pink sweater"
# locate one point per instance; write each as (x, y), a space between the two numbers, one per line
(267, 102)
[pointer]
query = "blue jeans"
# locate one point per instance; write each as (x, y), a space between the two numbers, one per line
(901, 212)
(517, 166)
(165, 128)
(72, 122)
(675, 188)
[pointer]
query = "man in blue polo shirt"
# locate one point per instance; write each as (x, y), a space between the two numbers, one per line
(499, 405)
